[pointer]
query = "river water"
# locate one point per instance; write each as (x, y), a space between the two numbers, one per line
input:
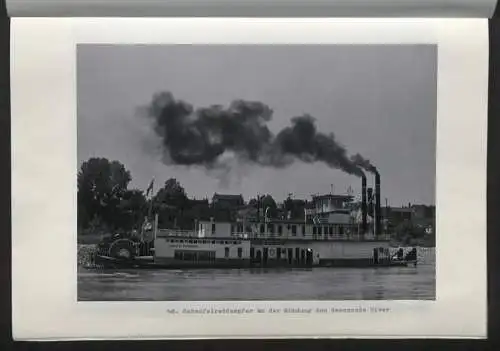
(384, 283)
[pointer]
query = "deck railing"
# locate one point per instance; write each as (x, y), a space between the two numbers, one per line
(252, 235)
(176, 232)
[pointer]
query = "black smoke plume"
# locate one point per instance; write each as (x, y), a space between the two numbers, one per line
(304, 142)
(363, 163)
(203, 136)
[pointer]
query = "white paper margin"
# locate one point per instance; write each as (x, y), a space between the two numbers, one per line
(44, 166)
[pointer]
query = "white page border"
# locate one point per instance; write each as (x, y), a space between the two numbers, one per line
(44, 166)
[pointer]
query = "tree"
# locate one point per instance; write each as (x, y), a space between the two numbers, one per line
(407, 231)
(253, 203)
(132, 209)
(268, 202)
(288, 203)
(294, 208)
(101, 186)
(172, 193)
(170, 203)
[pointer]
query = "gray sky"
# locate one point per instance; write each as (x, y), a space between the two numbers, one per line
(378, 100)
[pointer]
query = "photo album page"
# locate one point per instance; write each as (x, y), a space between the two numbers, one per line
(267, 174)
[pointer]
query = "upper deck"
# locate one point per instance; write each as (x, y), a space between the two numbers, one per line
(274, 237)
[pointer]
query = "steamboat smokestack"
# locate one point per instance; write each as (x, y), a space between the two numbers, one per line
(363, 205)
(369, 195)
(378, 214)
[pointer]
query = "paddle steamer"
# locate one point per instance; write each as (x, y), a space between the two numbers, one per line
(331, 234)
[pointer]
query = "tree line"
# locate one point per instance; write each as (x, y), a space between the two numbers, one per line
(105, 202)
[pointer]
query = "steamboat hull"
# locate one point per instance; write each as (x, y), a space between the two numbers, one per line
(184, 252)
(150, 263)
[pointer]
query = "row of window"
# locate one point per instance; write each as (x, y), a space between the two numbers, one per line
(199, 241)
(317, 230)
(279, 228)
(327, 230)
(291, 227)
(301, 254)
(194, 255)
(204, 255)
(278, 253)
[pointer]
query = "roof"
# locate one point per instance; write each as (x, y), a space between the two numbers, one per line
(298, 201)
(245, 210)
(333, 196)
(198, 201)
(400, 209)
(279, 221)
(227, 197)
(429, 207)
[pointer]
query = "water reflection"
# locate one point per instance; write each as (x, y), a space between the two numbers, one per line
(396, 283)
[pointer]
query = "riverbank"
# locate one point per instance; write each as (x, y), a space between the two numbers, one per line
(85, 253)
(89, 239)
(429, 242)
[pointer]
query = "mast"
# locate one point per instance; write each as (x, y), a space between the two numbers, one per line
(149, 191)
(155, 229)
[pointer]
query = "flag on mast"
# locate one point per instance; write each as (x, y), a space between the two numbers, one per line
(150, 187)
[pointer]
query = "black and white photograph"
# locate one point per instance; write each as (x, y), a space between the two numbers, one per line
(256, 172)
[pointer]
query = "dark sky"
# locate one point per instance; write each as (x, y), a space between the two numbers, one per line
(378, 100)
